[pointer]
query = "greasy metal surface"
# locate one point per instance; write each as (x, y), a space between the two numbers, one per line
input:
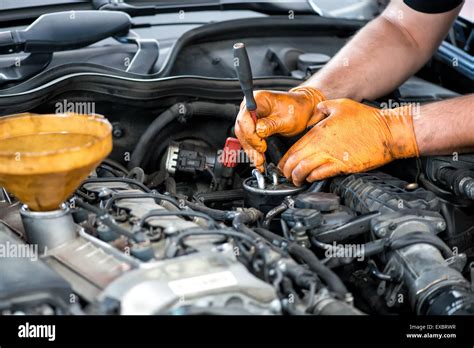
(141, 206)
(283, 187)
(90, 261)
(202, 279)
(43, 158)
(10, 217)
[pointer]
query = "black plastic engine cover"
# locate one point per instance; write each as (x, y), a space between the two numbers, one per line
(376, 191)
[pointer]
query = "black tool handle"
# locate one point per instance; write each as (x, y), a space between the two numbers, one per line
(244, 73)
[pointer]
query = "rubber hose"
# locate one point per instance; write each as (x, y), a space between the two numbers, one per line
(220, 215)
(331, 279)
(184, 110)
(333, 282)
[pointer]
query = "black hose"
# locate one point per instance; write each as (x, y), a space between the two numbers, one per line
(153, 195)
(368, 249)
(220, 215)
(420, 238)
(273, 238)
(137, 174)
(380, 245)
(180, 110)
(273, 214)
(153, 213)
(115, 164)
(151, 132)
(106, 168)
(84, 195)
(170, 185)
(243, 218)
(331, 279)
(124, 180)
(228, 233)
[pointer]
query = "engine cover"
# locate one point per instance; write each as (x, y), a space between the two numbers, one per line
(204, 282)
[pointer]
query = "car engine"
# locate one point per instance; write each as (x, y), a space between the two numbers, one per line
(170, 224)
(197, 237)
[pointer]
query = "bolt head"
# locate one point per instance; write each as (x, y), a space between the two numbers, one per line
(382, 232)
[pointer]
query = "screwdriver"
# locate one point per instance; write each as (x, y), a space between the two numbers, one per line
(244, 73)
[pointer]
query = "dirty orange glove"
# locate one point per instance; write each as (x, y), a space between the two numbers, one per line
(352, 138)
(285, 113)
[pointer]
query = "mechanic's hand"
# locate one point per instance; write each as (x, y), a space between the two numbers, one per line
(352, 138)
(285, 113)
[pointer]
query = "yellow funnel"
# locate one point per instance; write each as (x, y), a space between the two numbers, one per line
(43, 158)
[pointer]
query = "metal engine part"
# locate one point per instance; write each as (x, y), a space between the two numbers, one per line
(202, 282)
(454, 174)
(422, 266)
(417, 263)
(211, 277)
(137, 207)
(48, 229)
(105, 265)
(27, 284)
(265, 192)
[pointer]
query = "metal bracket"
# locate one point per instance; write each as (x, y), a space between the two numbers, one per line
(146, 56)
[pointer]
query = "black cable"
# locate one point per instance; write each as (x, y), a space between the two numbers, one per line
(273, 214)
(311, 295)
(229, 233)
(170, 185)
(150, 133)
(180, 110)
(107, 220)
(220, 215)
(285, 229)
(273, 238)
(290, 306)
(152, 213)
(420, 238)
(331, 279)
(84, 195)
(115, 164)
(124, 180)
(108, 169)
(380, 245)
(153, 195)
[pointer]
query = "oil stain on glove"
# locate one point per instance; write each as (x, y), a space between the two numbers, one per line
(284, 113)
(352, 138)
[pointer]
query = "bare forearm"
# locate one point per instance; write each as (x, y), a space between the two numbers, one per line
(445, 127)
(385, 53)
(372, 64)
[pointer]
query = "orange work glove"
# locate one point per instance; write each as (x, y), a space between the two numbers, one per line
(285, 113)
(352, 138)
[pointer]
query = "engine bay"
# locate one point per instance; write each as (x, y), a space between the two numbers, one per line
(174, 231)
(164, 226)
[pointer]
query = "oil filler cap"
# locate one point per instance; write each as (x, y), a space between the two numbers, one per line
(321, 201)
